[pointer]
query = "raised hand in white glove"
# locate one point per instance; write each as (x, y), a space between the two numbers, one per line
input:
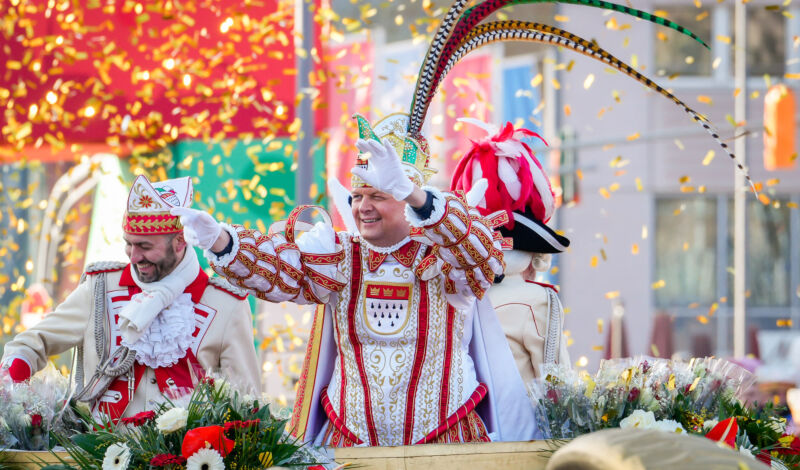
(199, 228)
(384, 172)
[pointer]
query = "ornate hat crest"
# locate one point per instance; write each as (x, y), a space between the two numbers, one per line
(414, 152)
(149, 204)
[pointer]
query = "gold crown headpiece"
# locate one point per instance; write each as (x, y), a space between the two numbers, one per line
(413, 150)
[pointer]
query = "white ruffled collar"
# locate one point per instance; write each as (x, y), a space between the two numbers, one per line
(168, 336)
(385, 250)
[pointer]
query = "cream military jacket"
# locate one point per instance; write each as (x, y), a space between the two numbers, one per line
(222, 340)
(532, 320)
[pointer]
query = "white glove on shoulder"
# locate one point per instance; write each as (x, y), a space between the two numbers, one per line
(199, 227)
(385, 171)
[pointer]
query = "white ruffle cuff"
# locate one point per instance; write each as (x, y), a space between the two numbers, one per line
(226, 259)
(439, 204)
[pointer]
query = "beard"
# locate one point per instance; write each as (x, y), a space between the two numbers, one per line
(159, 269)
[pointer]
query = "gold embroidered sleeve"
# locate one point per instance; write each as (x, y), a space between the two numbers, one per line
(273, 268)
(465, 240)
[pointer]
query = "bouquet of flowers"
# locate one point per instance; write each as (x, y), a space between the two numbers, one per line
(213, 427)
(30, 410)
(698, 397)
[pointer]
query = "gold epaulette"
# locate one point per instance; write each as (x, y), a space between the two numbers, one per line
(102, 267)
(224, 285)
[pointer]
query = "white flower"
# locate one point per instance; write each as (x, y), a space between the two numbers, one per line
(205, 459)
(173, 420)
(639, 419)
(117, 457)
(24, 419)
(83, 407)
(745, 451)
(222, 386)
(647, 399)
(668, 425)
(709, 424)
(17, 410)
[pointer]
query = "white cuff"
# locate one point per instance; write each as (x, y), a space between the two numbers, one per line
(226, 259)
(439, 204)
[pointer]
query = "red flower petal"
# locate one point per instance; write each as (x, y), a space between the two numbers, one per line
(725, 431)
(198, 438)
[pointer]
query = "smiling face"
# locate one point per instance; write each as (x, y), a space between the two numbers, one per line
(380, 218)
(154, 256)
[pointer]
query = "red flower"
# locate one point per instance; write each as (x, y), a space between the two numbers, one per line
(789, 445)
(725, 431)
(139, 418)
(232, 425)
(36, 420)
(162, 460)
(633, 395)
(552, 395)
(241, 424)
(199, 438)
(146, 201)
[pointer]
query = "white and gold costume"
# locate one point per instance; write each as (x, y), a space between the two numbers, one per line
(206, 326)
(400, 368)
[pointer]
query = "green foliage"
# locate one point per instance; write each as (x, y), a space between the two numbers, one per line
(261, 443)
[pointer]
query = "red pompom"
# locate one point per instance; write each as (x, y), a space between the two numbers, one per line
(19, 370)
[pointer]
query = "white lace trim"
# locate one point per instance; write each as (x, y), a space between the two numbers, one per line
(439, 204)
(169, 335)
(224, 260)
(386, 249)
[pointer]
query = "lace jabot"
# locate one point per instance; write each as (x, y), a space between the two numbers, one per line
(169, 335)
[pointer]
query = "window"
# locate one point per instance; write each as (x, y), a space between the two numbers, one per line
(675, 53)
(766, 46)
(686, 233)
(694, 258)
(768, 253)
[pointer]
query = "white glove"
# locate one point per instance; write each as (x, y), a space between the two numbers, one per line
(475, 195)
(199, 228)
(384, 172)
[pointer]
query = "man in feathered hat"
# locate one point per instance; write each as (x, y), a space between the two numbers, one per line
(529, 311)
(400, 353)
(150, 328)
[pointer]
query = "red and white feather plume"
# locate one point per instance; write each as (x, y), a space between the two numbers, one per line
(515, 176)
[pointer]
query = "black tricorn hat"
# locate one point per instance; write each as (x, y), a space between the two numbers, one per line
(532, 235)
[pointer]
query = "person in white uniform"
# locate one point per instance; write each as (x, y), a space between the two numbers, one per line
(147, 329)
(529, 311)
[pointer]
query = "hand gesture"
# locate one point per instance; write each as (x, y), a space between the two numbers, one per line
(384, 172)
(199, 228)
